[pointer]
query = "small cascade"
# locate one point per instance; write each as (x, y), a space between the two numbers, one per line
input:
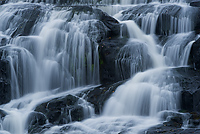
(182, 23)
(135, 32)
(177, 49)
(162, 19)
(10, 121)
(22, 64)
(126, 2)
(145, 94)
(134, 57)
(149, 23)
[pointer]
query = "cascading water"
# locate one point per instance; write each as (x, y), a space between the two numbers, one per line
(53, 53)
(52, 50)
(127, 2)
(123, 2)
(60, 54)
(146, 93)
(176, 50)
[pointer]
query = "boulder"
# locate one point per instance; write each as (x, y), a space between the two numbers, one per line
(189, 80)
(108, 51)
(22, 19)
(99, 95)
(191, 101)
(106, 25)
(112, 24)
(35, 120)
(3, 41)
(120, 59)
(2, 113)
(40, 129)
(194, 120)
(5, 79)
(173, 124)
(163, 129)
(62, 110)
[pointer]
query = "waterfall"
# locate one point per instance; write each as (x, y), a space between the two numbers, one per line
(154, 90)
(149, 92)
(61, 53)
(52, 50)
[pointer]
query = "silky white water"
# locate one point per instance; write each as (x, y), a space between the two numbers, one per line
(18, 110)
(61, 54)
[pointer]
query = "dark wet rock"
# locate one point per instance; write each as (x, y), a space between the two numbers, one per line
(195, 3)
(187, 101)
(35, 120)
(71, 128)
(176, 122)
(171, 116)
(119, 56)
(5, 85)
(173, 124)
(23, 18)
(197, 28)
(99, 95)
(2, 113)
(162, 129)
(62, 110)
(110, 27)
(40, 129)
(111, 23)
(3, 41)
(194, 120)
(108, 50)
(189, 80)
(77, 113)
(195, 55)
(3, 2)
